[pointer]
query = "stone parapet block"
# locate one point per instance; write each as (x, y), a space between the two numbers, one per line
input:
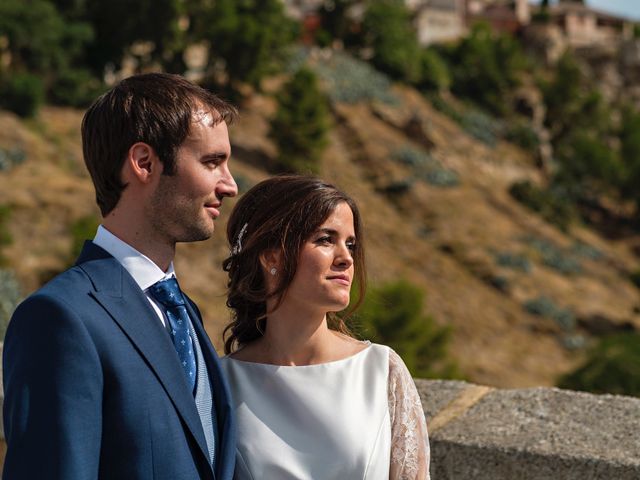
(530, 434)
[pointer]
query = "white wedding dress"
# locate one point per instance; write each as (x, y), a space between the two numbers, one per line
(356, 418)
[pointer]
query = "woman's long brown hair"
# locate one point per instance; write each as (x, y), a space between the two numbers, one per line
(280, 214)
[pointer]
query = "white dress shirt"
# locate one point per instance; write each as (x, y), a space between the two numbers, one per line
(140, 267)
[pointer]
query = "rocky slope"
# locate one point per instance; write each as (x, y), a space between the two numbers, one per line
(437, 212)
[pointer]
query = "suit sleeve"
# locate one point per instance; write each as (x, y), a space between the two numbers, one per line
(53, 394)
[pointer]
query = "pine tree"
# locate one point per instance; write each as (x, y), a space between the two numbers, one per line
(301, 124)
(612, 366)
(392, 314)
(389, 32)
(248, 37)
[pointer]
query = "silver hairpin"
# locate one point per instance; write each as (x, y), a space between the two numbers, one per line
(237, 246)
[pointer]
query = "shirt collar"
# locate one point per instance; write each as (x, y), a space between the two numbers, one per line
(140, 267)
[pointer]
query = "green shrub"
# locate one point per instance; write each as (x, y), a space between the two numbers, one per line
(434, 72)
(82, 229)
(584, 250)
(573, 341)
(397, 187)
(250, 38)
(587, 158)
(388, 31)
(350, 80)
(498, 282)
(22, 94)
(5, 235)
(629, 136)
(521, 133)
(551, 204)
(486, 68)
(392, 314)
(562, 260)
(9, 298)
(612, 366)
(635, 278)
(10, 157)
(482, 126)
(440, 104)
(545, 307)
(425, 167)
(301, 124)
(336, 23)
(414, 157)
(440, 177)
(514, 261)
(475, 122)
(75, 88)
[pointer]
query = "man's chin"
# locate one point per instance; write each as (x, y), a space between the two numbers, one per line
(197, 234)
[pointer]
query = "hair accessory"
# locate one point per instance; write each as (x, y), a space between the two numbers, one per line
(273, 270)
(237, 246)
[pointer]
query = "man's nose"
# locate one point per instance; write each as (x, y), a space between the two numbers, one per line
(227, 187)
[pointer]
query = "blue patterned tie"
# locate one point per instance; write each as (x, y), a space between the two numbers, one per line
(168, 294)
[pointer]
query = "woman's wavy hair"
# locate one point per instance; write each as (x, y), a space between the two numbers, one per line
(279, 214)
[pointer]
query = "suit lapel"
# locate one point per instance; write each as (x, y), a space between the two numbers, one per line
(122, 298)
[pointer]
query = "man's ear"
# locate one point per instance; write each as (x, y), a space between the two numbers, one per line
(143, 163)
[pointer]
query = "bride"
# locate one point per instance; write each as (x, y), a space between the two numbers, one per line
(311, 401)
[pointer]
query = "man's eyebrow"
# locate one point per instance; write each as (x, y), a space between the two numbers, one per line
(218, 156)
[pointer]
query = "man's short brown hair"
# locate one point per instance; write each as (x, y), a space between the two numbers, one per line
(154, 108)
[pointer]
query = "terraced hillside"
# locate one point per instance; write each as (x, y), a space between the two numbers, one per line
(523, 297)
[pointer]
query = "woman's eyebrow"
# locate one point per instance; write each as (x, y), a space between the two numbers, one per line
(331, 231)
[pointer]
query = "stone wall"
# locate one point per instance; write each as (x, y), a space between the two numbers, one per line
(531, 434)
(478, 432)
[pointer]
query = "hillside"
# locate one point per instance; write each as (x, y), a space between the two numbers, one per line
(479, 255)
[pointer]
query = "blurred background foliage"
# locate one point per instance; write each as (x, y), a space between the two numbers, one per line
(612, 366)
(392, 314)
(66, 52)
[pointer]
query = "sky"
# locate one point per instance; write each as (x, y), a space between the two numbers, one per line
(626, 8)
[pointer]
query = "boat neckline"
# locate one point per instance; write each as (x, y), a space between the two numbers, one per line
(324, 364)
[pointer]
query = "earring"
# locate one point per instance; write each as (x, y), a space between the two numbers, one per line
(273, 271)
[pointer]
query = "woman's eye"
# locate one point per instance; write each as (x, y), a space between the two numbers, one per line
(351, 246)
(324, 240)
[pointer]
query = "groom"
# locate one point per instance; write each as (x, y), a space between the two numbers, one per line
(108, 372)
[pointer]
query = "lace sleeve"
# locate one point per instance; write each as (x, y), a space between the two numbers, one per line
(409, 439)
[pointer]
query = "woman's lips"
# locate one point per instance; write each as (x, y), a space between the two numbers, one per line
(341, 279)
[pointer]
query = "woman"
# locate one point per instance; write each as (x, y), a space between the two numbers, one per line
(311, 401)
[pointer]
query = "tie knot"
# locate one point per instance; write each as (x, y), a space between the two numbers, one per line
(167, 292)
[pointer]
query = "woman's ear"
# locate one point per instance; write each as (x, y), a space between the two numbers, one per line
(271, 261)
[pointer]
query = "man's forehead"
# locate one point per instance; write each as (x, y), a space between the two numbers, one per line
(207, 126)
(207, 117)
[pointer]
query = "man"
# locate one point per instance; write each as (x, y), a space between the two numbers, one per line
(104, 376)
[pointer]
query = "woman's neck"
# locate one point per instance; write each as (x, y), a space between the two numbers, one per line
(294, 336)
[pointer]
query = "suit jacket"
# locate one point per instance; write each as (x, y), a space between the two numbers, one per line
(94, 388)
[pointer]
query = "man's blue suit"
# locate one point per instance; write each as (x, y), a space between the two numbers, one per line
(94, 388)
